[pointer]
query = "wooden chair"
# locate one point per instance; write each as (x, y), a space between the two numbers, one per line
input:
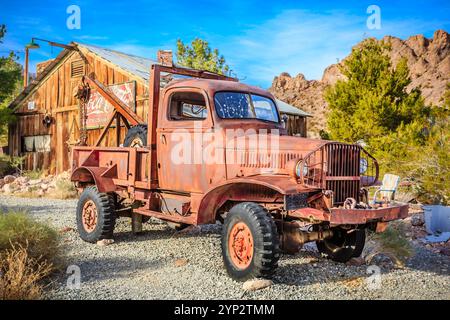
(387, 189)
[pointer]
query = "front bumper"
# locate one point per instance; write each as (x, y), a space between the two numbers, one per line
(337, 216)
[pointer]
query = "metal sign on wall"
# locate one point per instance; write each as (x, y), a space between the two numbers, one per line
(98, 109)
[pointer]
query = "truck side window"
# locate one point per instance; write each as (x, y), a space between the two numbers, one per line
(187, 106)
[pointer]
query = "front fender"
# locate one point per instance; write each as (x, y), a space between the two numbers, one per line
(94, 175)
(261, 188)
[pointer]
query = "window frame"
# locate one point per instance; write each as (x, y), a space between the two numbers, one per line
(251, 100)
(169, 109)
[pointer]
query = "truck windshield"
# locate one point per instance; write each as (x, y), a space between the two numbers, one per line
(236, 105)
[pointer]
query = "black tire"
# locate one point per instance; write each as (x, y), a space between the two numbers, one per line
(136, 136)
(106, 216)
(343, 245)
(266, 247)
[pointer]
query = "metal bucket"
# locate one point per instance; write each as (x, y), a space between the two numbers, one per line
(437, 219)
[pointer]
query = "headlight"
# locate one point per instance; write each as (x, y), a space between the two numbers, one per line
(301, 168)
(363, 165)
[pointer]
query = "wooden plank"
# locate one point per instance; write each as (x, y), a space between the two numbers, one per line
(110, 76)
(65, 138)
(59, 143)
(67, 84)
(65, 109)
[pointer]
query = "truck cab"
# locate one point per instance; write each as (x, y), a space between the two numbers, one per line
(213, 149)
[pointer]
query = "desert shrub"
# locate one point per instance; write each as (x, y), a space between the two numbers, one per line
(393, 240)
(33, 174)
(18, 228)
(9, 165)
(29, 253)
(21, 275)
(64, 189)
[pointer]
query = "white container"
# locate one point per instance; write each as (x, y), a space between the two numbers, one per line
(437, 219)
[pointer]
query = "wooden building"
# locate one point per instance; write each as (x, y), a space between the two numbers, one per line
(48, 113)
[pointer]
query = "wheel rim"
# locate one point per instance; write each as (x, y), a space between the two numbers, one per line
(240, 245)
(89, 216)
(136, 143)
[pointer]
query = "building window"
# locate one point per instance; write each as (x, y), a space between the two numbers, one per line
(31, 105)
(77, 68)
(36, 143)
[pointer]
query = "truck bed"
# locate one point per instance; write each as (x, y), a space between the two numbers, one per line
(125, 166)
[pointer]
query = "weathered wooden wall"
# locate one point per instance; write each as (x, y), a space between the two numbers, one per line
(55, 96)
(296, 125)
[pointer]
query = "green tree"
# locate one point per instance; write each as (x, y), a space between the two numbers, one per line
(429, 166)
(373, 105)
(199, 55)
(10, 82)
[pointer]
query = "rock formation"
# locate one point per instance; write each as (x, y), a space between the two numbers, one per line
(428, 62)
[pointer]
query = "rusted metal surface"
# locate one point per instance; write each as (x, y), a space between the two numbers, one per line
(195, 193)
(240, 245)
(362, 216)
(89, 216)
(353, 216)
(336, 167)
(292, 238)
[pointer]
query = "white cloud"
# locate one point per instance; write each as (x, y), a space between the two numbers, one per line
(299, 41)
(91, 37)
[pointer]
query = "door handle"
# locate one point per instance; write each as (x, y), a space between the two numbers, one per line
(163, 139)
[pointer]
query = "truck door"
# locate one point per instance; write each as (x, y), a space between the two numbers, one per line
(184, 118)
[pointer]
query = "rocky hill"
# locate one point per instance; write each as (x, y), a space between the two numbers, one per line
(428, 62)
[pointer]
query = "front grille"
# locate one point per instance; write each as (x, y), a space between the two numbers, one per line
(342, 171)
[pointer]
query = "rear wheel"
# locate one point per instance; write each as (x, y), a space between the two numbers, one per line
(96, 215)
(250, 242)
(136, 136)
(344, 244)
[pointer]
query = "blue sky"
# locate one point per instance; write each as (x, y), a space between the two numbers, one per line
(259, 39)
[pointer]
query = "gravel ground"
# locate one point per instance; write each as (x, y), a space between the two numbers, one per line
(164, 264)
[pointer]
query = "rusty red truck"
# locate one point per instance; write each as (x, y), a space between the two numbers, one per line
(214, 149)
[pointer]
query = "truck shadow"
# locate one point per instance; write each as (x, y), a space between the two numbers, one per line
(162, 231)
(308, 268)
(308, 261)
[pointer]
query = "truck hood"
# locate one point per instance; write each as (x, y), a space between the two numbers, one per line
(274, 144)
(267, 154)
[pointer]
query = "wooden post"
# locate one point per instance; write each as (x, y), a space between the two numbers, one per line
(136, 222)
(25, 72)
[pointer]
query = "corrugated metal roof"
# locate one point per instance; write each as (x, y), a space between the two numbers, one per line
(138, 66)
(141, 67)
(135, 65)
(287, 108)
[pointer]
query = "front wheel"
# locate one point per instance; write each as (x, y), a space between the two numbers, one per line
(96, 216)
(343, 245)
(250, 242)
